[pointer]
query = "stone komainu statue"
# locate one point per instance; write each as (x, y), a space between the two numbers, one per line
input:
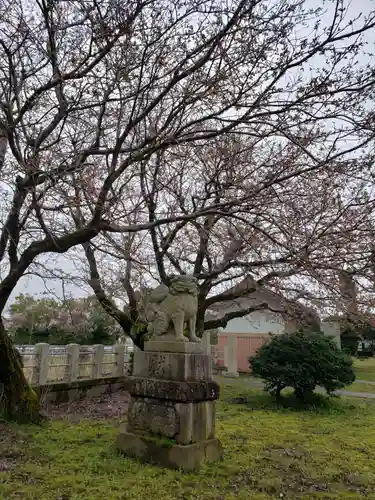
(167, 310)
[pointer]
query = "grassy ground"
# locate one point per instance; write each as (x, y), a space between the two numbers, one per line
(360, 387)
(365, 369)
(271, 451)
(245, 379)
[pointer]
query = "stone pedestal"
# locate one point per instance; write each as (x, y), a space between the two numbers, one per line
(171, 417)
(232, 357)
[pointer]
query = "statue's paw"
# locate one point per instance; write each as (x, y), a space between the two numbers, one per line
(195, 339)
(182, 339)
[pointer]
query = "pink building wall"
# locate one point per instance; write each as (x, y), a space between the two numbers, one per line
(247, 345)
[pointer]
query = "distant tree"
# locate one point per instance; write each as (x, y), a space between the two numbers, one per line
(29, 315)
(355, 330)
(81, 321)
(350, 335)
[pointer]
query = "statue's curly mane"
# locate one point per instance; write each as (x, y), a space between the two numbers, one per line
(182, 287)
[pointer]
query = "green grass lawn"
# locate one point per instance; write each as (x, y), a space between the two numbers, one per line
(365, 369)
(357, 386)
(321, 451)
(361, 387)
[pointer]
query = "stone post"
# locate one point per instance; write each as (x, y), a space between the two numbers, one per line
(42, 352)
(232, 356)
(171, 416)
(331, 328)
(206, 339)
(119, 350)
(72, 368)
(97, 369)
(225, 356)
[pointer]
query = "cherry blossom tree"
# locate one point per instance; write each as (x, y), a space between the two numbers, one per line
(286, 246)
(91, 91)
(45, 319)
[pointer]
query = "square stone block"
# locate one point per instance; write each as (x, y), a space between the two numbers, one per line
(173, 390)
(183, 422)
(166, 453)
(153, 416)
(174, 346)
(172, 366)
(197, 422)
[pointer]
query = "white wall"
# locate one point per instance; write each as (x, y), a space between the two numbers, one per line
(257, 322)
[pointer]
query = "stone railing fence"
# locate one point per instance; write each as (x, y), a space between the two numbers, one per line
(46, 364)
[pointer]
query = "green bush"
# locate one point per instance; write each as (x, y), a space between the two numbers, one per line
(302, 361)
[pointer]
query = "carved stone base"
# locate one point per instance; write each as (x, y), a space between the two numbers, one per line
(172, 366)
(166, 453)
(185, 423)
(173, 390)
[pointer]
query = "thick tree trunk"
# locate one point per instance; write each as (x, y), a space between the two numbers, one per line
(18, 401)
(140, 336)
(3, 147)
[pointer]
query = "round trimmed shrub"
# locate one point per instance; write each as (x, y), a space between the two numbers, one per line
(302, 361)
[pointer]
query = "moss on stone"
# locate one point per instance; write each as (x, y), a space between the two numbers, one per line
(159, 440)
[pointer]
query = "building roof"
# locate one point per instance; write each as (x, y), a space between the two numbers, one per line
(277, 304)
